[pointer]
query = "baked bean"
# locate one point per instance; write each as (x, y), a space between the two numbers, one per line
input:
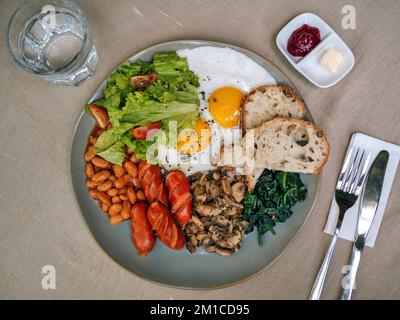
(131, 169)
(89, 170)
(134, 159)
(100, 163)
(91, 184)
(105, 208)
(113, 192)
(131, 195)
(126, 209)
(140, 195)
(94, 194)
(130, 182)
(116, 219)
(136, 183)
(89, 154)
(115, 209)
(116, 199)
(122, 181)
(101, 176)
(104, 198)
(117, 189)
(118, 170)
(92, 140)
(105, 186)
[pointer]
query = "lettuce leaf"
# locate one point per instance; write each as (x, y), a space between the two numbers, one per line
(114, 154)
(110, 137)
(173, 69)
(140, 110)
(139, 147)
(173, 97)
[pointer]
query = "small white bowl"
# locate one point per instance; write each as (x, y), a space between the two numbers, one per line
(309, 66)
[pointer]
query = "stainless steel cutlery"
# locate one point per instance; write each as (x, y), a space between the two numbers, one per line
(367, 210)
(348, 188)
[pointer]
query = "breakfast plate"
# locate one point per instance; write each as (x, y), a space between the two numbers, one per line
(181, 268)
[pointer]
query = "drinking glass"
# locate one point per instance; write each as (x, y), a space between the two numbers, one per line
(51, 38)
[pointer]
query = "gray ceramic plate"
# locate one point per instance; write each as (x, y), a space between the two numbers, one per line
(180, 268)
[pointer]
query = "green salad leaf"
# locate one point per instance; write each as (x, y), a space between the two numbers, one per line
(139, 146)
(174, 70)
(111, 136)
(140, 110)
(173, 97)
(272, 200)
(114, 154)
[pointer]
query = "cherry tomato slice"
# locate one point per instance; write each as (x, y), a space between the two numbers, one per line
(140, 133)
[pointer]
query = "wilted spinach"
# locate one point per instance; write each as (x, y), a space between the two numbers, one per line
(272, 200)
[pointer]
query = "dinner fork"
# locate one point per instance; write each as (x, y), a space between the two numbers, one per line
(348, 188)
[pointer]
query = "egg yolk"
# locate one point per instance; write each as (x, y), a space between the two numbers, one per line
(191, 141)
(225, 105)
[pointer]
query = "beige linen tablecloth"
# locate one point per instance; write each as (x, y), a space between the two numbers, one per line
(41, 223)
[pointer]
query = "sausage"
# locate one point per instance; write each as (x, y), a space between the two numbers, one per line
(179, 196)
(167, 230)
(144, 80)
(142, 234)
(152, 183)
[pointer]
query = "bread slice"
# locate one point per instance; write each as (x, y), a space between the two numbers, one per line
(268, 102)
(291, 145)
(232, 156)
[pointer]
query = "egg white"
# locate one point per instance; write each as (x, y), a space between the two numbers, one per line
(216, 67)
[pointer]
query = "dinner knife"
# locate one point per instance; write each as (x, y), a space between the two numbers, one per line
(367, 210)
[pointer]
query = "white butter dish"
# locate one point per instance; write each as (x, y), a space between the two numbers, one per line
(310, 66)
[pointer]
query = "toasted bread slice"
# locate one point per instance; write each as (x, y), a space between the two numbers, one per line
(291, 145)
(232, 156)
(268, 102)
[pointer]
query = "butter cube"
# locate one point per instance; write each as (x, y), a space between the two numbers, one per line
(331, 60)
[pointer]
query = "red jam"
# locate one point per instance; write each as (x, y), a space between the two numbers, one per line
(303, 40)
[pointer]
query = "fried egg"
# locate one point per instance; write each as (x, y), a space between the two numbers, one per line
(226, 76)
(224, 105)
(193, 141)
